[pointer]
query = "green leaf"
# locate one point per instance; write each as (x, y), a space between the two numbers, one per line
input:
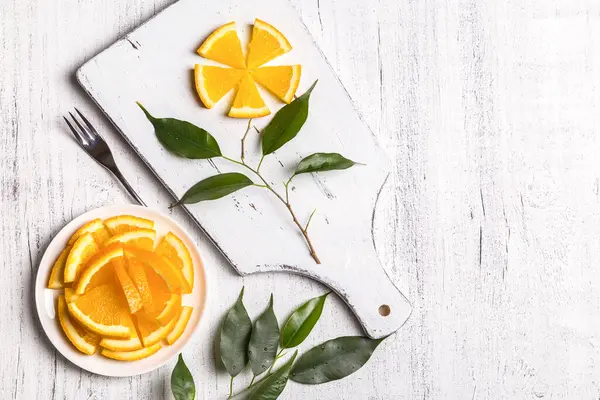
(182, 382)
(299, 325)
(271, 386)
(320, 162)
(215, 187)
(286, 124)
(334, 359)
(184, 138)
(264, 341)
(235, 335)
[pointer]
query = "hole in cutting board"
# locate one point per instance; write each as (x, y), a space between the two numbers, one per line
(384, 310)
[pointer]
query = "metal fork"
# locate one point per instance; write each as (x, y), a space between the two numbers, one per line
(92, 143)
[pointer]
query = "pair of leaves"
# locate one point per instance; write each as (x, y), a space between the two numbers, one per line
(184, 138)
(182, 382)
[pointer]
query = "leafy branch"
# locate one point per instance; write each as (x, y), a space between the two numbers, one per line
(187, 140)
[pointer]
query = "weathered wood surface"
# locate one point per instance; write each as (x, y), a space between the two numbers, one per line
(488, 110)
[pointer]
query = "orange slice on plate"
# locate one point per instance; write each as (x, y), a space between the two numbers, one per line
(134, 300)
(180, 325)
(212, 83)
(83, 249)
(151, 331)
(100, 262)
(103, 310)
(248, 102)
(142, 238)
(172, 275)
(223, 45)
(140, 280)
(126, 223)
(282, 80)
(132, 355)
(267, 43)
(119, 345)
(96, 228)
(173, 249)
(84, 341)
(58, 270)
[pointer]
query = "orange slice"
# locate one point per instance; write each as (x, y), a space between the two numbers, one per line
(248, 102)
(164, 303)
(130, 344)
(170, 308)
(212, 83)
(180, 325)
(126, 223)
(151, 331)
(131, 355)
(58, 270)
(282, 81)
(96, 228)
(134, 300)
(172, 275)
(102, 310)
(267, 43)
(138, 276)
(142, 238)
(84, 341)
(174, 250)
(223, 45)
(70, 295)
(83, 249)
(98, 263)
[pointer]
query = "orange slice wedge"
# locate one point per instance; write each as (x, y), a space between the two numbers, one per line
(96, 228)
(83, 249)
(282, 80)
(223, 45)
(248, 102)
(212, 83)
(180, 325)
(102, 310)
(267, 43)
(173, 249)
(172, 275)
(58, 270)
(119, 345)
(126, 223)
(151, 331)
(142, 238)
(100, 261)
(132, 355)
(140, 280)
(134, 300)
(84, 341)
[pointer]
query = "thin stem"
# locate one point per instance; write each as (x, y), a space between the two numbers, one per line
(252, 381)
(310, 219)
(244, 139)
(230, 388)
(274, 361)
(285, 201)
(260, 163)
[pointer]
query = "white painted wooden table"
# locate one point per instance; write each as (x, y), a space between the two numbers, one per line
(491, 224)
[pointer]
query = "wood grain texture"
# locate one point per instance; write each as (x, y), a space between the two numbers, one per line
(491, 224)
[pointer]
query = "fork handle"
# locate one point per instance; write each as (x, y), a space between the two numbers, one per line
(128, 187)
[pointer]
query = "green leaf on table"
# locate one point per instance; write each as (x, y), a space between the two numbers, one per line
(334, 359)
(286, 123)
(182, 382)
(215, 187)
(269, 387)
(320, 162)
(264, 341)
(299, 325)
(183, 138)
(235, 335)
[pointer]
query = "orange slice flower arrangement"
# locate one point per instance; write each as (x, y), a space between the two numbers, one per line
(224, 46)
(121, 296)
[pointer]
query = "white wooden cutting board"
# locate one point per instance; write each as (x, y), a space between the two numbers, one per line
(153, 65)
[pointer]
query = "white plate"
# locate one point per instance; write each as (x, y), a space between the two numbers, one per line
(45, 299)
